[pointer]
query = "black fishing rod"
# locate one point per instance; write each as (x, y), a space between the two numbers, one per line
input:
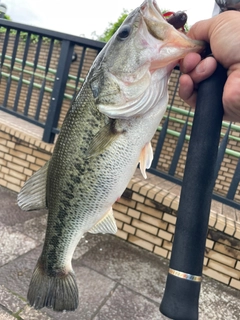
(181, 296)
(180, 300)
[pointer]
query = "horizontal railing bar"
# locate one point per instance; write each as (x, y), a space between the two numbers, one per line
(187, 138)
(93, 44)
(191, 114)
(180, 111)
(174, 133)
(50, 70)
(178, 181)
(38, 75)
(232, 153)
(29, 72)
(190, 124)
(21, 116)
(35, 85)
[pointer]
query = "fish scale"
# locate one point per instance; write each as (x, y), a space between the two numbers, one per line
(91, 179)
(106, 133)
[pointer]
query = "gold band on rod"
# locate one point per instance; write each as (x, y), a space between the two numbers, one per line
(184, 275)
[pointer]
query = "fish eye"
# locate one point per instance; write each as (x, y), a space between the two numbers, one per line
(124, 32)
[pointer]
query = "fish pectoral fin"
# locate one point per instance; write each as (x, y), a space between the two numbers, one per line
(106, 225)
(32, 196)
(105, 136)
(146, 158)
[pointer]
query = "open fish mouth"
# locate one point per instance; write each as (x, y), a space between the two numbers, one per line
(175, 44)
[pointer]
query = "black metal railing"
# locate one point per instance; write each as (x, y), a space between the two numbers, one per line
(22, 74)
(39, 78)
(230, 196)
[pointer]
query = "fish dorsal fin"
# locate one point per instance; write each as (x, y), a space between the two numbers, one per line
(103, 139)
(106, 225)
(32, 196)
(146, 158)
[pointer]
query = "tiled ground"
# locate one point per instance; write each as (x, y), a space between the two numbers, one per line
(116, 280)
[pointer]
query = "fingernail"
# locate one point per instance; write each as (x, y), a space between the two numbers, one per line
(201, 67)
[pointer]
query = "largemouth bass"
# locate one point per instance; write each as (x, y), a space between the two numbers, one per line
(106, 133)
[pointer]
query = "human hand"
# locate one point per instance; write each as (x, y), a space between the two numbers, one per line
(223, 34)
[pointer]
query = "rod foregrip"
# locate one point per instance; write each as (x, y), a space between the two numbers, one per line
(180, 300)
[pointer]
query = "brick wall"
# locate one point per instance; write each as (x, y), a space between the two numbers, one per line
(146, 216)
(20, 156)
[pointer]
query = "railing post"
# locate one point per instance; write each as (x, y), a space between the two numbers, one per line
(58, 90)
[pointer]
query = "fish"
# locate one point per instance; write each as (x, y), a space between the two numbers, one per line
(107, 132)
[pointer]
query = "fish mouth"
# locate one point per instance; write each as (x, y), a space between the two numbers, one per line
(174, 44)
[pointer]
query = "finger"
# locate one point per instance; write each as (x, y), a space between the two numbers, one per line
(203, 70)
(190, 62)
(203, 30)
(231, 96)
(187, 91)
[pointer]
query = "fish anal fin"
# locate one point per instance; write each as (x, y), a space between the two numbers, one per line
(146, 158)
(106, 225)
(106, 136)
(32, 196)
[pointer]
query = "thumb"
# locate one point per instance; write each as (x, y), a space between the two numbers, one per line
(200, 30)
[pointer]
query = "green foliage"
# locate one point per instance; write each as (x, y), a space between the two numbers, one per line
(112, 28)
(187, 27)
(24, 35)
(33, 38)
(6, 17)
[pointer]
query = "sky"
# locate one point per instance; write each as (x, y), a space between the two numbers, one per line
(83, 17)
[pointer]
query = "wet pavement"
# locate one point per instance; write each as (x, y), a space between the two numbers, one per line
(116, 279)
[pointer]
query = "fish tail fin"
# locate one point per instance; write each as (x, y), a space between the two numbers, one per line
(58, 291)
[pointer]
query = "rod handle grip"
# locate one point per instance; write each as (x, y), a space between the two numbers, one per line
(180, 300)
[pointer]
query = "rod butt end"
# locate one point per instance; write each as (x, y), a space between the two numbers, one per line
(180, 300)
